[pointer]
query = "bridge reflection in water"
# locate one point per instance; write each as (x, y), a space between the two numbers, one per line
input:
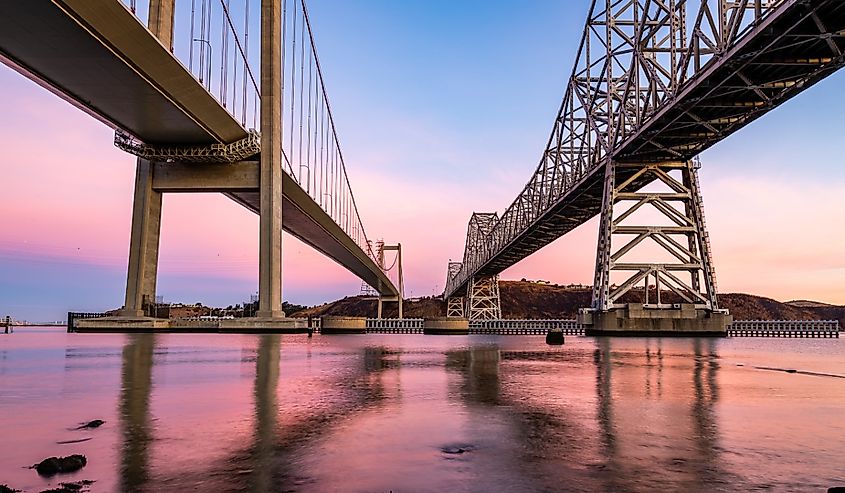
(136, 388)
(354, 414)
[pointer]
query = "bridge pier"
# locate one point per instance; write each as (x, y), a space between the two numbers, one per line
(446, 326)
(146, 209)
(455, 306)
(270, 243)
(143, 243)
(483, 302)
(653, 211)
(635, 320)
(382, 299)
(152, 179)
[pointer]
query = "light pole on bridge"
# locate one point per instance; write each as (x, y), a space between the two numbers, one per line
(210, 58)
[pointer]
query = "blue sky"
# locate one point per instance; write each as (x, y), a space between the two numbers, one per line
(443, 108)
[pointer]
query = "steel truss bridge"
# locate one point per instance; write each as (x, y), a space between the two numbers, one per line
(655, 83)
(211, 96)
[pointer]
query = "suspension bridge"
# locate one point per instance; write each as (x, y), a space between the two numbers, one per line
(229, 99)
(655, 83)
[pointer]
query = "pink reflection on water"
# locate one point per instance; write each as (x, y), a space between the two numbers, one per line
(422, 413)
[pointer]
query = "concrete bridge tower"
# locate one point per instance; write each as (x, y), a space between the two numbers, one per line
(146, 212)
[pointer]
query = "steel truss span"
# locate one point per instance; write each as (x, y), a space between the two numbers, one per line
(657, 82)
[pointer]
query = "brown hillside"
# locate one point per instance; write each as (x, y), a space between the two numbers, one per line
(526, 299)
(750, 307)
(361, 306)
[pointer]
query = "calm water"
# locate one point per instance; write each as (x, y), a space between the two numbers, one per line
(388, 412)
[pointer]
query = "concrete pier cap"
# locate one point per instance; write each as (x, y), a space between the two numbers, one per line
(446, 326)
(635, 319)
(331, 324)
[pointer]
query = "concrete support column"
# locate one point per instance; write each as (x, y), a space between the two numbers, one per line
(270, 236)
(146, 208)
(160, 21)
(143, 243)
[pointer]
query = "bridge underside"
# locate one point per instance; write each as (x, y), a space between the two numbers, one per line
(307, 221)
(792, 49)
(96, 55)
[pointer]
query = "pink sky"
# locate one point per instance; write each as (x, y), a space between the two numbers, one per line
(67, 192)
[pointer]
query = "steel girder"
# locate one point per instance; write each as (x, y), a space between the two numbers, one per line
(656, 81)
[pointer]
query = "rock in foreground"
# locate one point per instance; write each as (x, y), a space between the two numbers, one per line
(91, 424)
(74, 487)
(55, 465)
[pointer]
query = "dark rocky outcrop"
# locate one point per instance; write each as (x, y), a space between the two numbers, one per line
(91, 424)
(554, 337)
(56, 465)
(72, 487)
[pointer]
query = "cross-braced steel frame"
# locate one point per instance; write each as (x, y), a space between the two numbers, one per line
(658, 81)
(454, 304)
(482, 296)
(670, 221)
(483, 302)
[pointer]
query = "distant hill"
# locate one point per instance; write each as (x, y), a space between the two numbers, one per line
(809, 304)
(526, 299)
(362, 306)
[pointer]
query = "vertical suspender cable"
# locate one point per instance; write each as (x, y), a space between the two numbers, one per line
(301, 78)
(246, 61)
(351, 207)
(202, 37)
(315, 126)
(308, 129)
(235, 77)
(191, 41)
(322, 150)
(293, 85)
(207, 37)
(282, 99)
(224, 75)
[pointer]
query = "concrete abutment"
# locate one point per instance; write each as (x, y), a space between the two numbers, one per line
(446, 326)
(343, 325)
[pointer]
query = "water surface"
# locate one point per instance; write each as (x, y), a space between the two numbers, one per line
(423, 413)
